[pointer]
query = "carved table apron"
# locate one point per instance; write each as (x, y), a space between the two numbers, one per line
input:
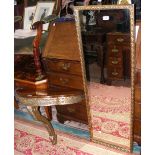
(33, 99)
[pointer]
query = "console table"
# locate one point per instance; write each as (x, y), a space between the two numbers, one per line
(55, 95)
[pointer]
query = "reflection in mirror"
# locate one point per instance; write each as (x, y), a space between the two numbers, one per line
(106, 41)
(106, 45)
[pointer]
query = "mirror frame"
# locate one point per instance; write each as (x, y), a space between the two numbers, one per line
(130, 7)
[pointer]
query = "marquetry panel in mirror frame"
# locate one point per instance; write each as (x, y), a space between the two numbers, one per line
(106, 42)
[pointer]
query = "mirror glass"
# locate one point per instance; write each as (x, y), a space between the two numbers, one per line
(105, 36)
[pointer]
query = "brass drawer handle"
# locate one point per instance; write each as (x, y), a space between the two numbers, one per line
(65, 66)
(120, 39)
(114, 62)
(70, 109)
(115, 50)
(114, 73)
(64, 81)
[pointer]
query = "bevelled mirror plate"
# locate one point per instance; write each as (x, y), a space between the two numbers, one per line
(106, 43)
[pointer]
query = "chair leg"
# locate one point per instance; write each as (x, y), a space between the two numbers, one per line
(36, 114)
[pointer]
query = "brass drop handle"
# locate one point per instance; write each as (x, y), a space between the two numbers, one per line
(120, 39)
(114, 73)
(64, 81)
(115, 50)
(114, 62)
(65, 66)
(70, 109)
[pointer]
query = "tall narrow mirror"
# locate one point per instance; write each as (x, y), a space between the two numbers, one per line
(106, 41)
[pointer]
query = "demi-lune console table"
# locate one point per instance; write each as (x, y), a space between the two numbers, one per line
(55, 95)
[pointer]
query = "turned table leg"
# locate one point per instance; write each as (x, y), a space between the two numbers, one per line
(34, 110)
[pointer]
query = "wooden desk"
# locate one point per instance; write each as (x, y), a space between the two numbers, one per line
(62, 63)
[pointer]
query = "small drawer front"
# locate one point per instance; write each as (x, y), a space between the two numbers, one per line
(137, 127)
(114, 51)
(137, 110)
(71, 67)
(119, 38)
(114, 61)
(66, 80)
(115, 73)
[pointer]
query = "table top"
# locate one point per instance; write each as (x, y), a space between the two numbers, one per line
(54, 95)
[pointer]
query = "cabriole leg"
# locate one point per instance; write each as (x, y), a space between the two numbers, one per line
(34, 110)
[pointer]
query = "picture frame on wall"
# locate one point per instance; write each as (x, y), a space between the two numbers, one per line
(124, 2)
(43, 9)
(30, 3)
(29, 14)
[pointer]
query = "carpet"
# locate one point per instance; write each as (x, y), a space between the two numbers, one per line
(110, 113)
(32, 139)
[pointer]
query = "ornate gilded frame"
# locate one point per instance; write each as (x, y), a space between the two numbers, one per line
(77, 19)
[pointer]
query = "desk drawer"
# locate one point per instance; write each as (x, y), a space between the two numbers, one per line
(115, 73)
(115, 62)
(64, 66)
(66, 80)
(117, 38)
(115, 51)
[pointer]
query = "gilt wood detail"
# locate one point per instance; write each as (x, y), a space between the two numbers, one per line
(36, 114)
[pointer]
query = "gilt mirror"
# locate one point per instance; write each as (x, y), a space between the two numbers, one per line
(106, 41)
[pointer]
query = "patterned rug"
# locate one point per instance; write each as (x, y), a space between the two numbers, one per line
(110, 112)
(32, 139)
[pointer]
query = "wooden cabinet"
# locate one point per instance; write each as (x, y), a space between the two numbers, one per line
(61, 59)
(137, 108)
(118, 64)
(137, 104)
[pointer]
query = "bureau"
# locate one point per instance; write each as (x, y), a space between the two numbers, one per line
(61, 60)
(118, 56)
